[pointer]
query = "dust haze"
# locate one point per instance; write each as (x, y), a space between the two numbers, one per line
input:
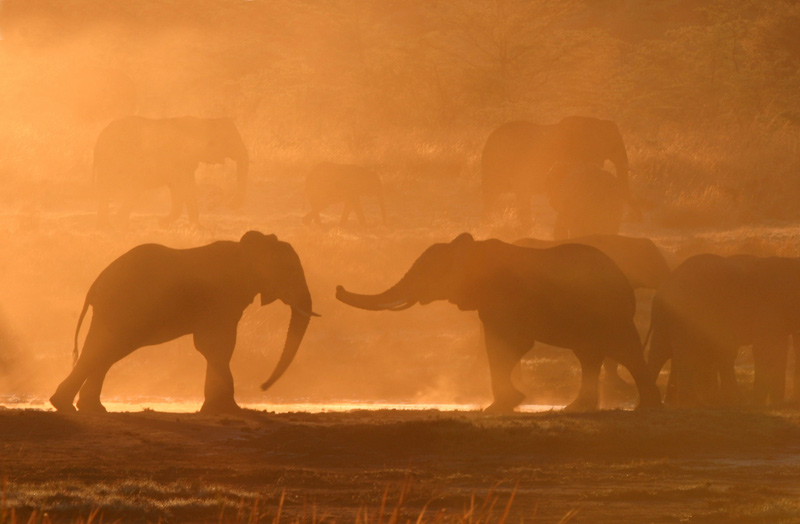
(705, 98)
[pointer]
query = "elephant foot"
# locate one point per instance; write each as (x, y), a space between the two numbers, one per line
(93, 406)
(220, 407)
(580, 405)
(506, 404)
(62, 404)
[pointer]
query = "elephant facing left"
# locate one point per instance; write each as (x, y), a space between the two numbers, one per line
(153, 294)
(135, 154)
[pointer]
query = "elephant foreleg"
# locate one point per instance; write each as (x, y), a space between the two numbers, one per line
(216, 342)
(503, 357)
(729, 389)
(628, 351)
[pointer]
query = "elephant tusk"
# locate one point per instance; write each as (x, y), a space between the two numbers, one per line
(401, 307)
(305, 313)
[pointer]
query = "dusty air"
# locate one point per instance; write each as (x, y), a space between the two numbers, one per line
(452, 261)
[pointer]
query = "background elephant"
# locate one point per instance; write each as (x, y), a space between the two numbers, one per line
(330, 183)
(708, 308)
(586, 199)
(640, 260)
(570, 296)
(153, 294)
(136, 154)
(518, 155)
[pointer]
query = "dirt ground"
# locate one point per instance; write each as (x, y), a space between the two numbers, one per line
(610, 466)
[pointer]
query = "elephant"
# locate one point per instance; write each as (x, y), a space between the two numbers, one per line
(135, 154)
(707, 309)
(640, 260)
(571, 296)
(518, 155)
(329, 183)
(586, 199)
(153, 294)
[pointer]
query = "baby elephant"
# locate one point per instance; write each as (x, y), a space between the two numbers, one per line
(153, 294)
(586, 198)
(329, 183)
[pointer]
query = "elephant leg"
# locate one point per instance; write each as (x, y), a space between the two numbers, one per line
(588, 397)
(93, 363)
(628, 351)
(503, 357)
(348, 208)
(359, 211)
(216, 342)
(770, 357)
(89, 396)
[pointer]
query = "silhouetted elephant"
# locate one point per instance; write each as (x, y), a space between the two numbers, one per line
(708, 308)
(587, 200)
(330, 183)
(136, 154)
(518, 155)
(640, 260)
(153, 294)
(569, 296)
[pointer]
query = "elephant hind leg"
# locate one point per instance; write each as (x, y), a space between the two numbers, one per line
(770, 359)
(628, 351)
(89, 396)
(91, 363)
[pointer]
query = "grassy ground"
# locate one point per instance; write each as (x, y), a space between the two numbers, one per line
(614, 466)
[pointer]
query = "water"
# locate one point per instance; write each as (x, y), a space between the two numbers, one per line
(167, 405)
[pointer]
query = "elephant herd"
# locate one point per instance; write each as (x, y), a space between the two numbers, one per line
(575, 292)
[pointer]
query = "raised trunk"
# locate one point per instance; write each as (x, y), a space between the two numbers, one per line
(297, 329)
(396, 297)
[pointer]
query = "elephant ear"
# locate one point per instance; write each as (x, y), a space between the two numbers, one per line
(260, 252)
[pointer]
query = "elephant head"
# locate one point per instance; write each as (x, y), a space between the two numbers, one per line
(277, 274)
(452, 272)
(221, 140)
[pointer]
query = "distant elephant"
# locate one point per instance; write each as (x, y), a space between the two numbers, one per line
(587, 200)
(640, 260)
(708, 308)
(153, 294)
(518, 155)
(570, 296)
(330, 183)
(135, 154)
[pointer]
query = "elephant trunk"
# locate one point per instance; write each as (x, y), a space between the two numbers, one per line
(301, 316)
(395, 298)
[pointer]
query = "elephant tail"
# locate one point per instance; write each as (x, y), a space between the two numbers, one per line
(75, 353)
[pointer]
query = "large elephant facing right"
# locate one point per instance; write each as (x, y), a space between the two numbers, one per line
(135, 154)
(518, 155)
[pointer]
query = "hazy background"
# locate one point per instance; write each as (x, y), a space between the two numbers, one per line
(705, 93)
